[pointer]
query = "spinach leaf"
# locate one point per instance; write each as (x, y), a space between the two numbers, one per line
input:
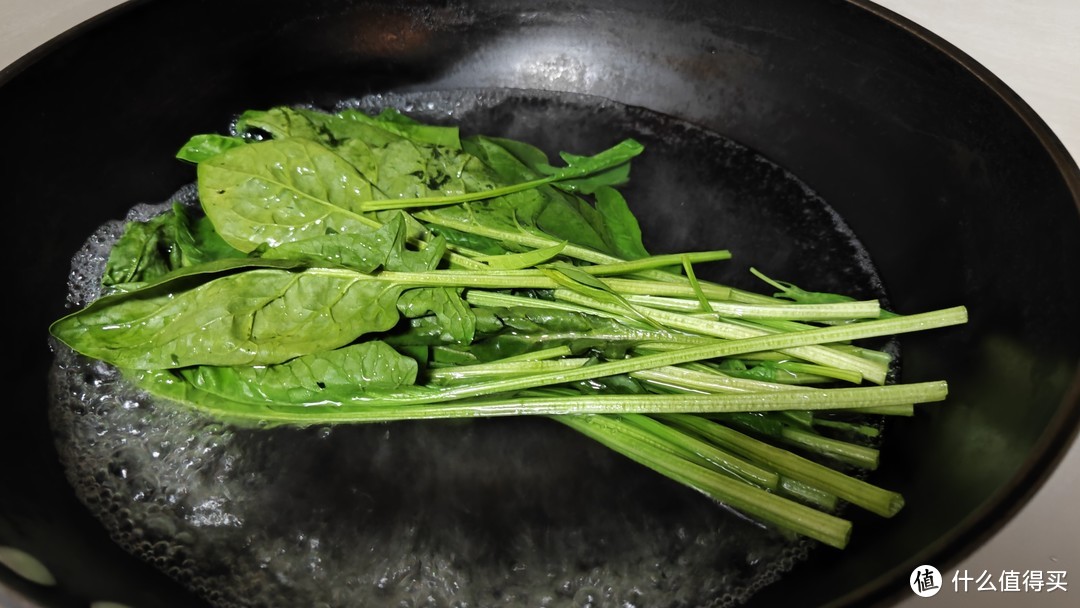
(610, 167)
(201, 147)
(545, 211)
(210, 243)
(150, 250)
(336, 375)
(510, 331)
(525, 259)
(364, 252)
(453, 316)
(388, 126)
(393, 162)
(225, 398)
(523, 152)
(399, 158)
(796, 294)
(393, 121)
(260, 316)
(279, 123)
(348, 125)
(623, 231)
(579, 281)
(409, 170)
(278, 191)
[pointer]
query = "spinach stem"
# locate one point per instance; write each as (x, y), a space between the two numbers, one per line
(856, 491)
(808, 312)
(648, 430)
(844, 451)
(866, 329)
(438, 407)
(757, 503)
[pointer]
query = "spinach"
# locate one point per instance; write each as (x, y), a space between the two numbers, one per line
(347, 268)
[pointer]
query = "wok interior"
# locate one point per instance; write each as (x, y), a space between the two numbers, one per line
(956, 200)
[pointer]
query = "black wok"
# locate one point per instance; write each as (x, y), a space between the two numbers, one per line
(957, 191)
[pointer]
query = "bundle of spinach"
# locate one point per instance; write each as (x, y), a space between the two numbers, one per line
(349, 268)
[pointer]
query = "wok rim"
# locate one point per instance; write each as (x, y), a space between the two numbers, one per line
(971, 533)
(1050, 449)
(983, 523)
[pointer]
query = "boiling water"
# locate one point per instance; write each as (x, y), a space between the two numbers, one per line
(512, 512)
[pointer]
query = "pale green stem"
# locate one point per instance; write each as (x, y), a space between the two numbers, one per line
(868, 309)
(680, 444)
(502, 369)
(752, 501)
(386, 411)
(851, 453)
(856, 491)
(817, 354)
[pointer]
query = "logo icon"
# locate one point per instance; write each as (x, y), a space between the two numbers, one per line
(925, 581)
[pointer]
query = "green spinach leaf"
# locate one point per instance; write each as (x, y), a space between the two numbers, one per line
(278, 191)
(205, 146)
(260, 316)
(331, 376)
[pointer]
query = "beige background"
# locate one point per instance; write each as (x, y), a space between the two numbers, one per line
(1034, 47)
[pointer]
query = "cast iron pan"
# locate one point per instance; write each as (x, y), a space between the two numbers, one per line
(830, 142)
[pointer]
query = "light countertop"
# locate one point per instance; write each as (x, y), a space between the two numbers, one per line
(1034, 47)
